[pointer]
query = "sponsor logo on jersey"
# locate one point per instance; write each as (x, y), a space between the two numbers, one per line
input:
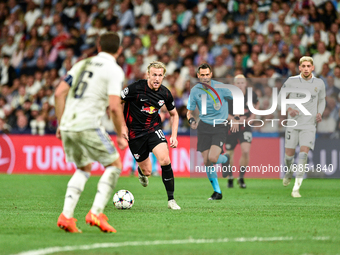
(149, 109)
(161, 102)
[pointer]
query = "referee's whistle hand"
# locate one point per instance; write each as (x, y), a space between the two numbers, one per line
(193, 125)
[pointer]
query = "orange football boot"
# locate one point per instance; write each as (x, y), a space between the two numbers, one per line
(69, 225)
(99, 221)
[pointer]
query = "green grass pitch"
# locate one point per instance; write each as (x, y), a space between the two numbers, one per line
(31, 204)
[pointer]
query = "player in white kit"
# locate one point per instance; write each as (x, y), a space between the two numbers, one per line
(80, 101)
(304, 132)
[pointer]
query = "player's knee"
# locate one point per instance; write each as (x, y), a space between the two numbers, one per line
(213, 159)
(147, 171)
(164, 161)
(245, 153)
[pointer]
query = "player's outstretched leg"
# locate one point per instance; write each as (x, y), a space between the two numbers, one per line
(74, 189)
(106, 185)
(169, 183)
(143, 179)
(289, 174)
(299, 174)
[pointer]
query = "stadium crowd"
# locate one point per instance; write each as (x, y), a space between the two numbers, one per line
(264, 40)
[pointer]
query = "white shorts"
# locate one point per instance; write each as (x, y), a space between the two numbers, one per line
(303, 137)
(85, 147)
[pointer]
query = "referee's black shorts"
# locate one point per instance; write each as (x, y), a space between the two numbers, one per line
(208, 135)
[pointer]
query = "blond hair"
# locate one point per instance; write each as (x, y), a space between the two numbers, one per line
(157, 65)
(239, 76)
(306, 58)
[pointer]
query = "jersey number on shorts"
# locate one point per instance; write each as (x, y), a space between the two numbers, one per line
(288, 135)
(82, 84)
(160, 134)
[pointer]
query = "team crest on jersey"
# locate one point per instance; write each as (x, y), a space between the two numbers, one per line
(316, 89)
(161, 102)
(136, 156)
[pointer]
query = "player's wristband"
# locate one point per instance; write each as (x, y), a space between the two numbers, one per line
(191, 120)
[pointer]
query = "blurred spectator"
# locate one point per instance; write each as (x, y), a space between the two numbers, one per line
(333, 107)
(204, 28)
(109, 18)
(328, 124)
(217, 28)
(9, 47)
(328, 14)
(272, 76)
(21, 126)
(126, 18)
(47, 16)
(141, 7)
(337, 77)
(8, 73)
(203, 56)
(321, 57)
(219, 69)
(325, 72)
(4, 127)
(32, 13)
(331, 90)
(29, 61)
(20, 97)
(48, 53)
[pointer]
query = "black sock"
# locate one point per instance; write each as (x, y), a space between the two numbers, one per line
(140, 172)
(168, 180)
(242, 171)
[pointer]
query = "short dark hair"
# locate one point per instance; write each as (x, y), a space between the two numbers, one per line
(204, 66)
(109, 42)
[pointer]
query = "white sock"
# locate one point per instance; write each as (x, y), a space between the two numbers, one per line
(74, 189)
(297, 184)
(300, 171)
(289, 161)
(106, 185)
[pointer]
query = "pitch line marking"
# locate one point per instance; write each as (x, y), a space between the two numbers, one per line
(51, 250)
